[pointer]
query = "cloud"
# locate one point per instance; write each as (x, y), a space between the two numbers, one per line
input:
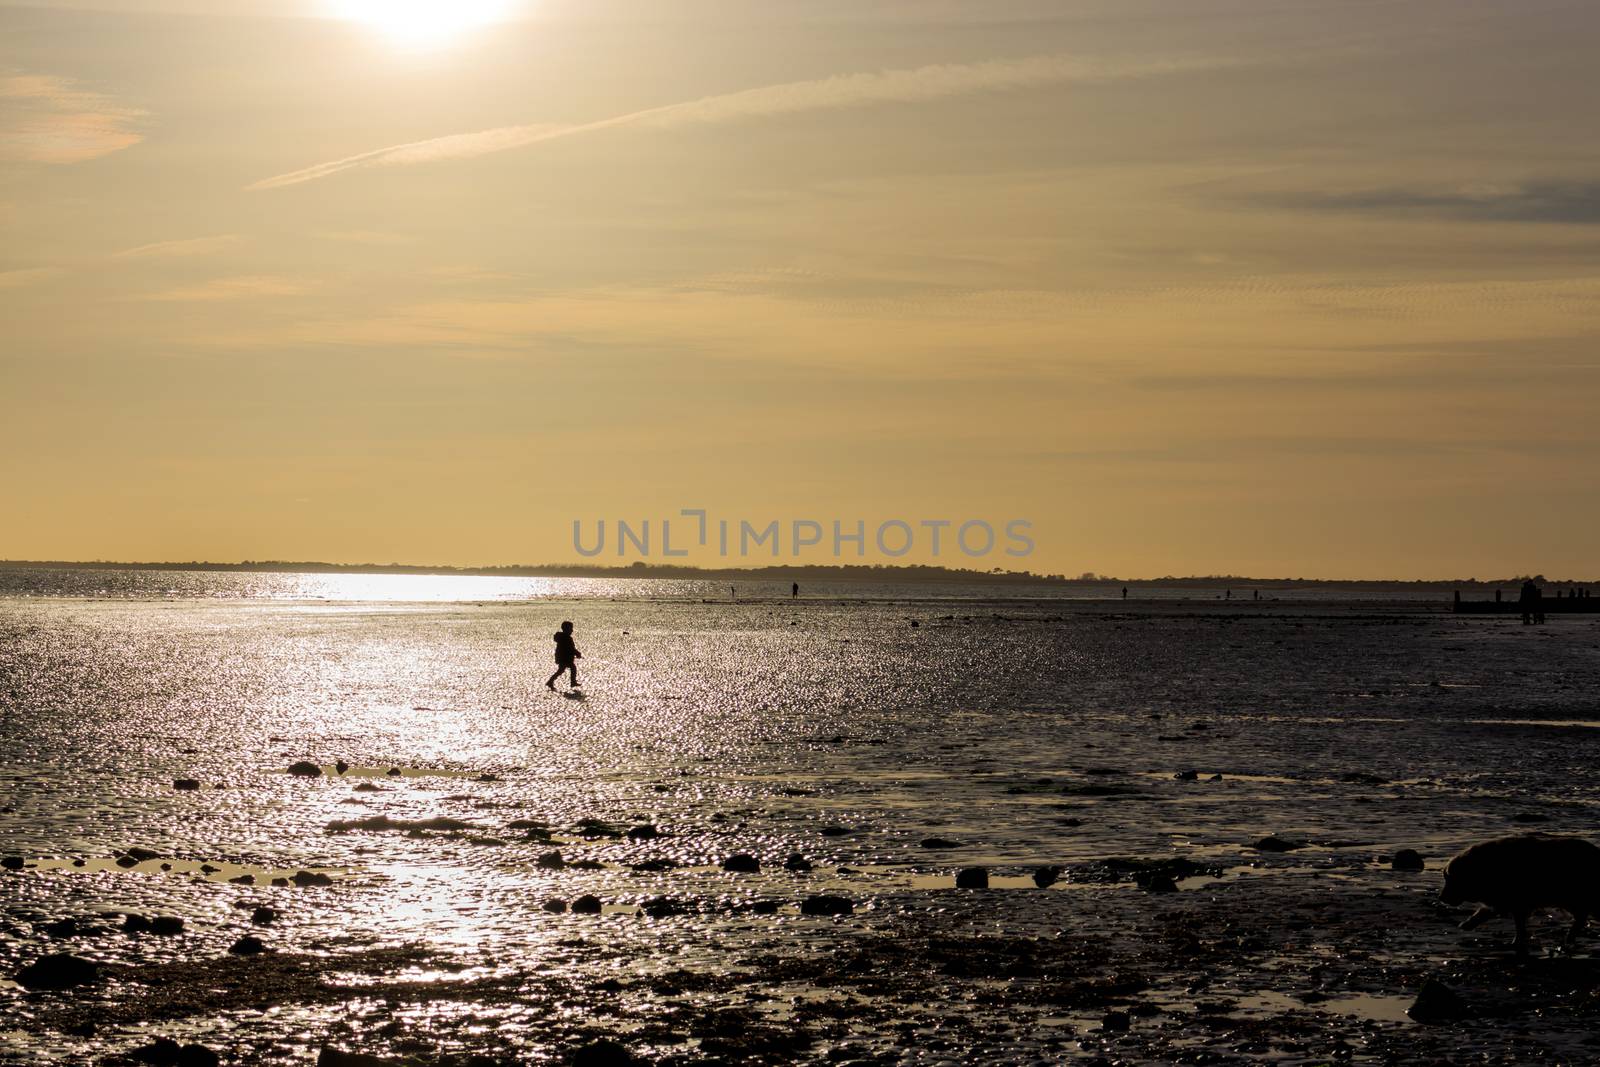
(911, 86)
(238, 288)
(45, 120)
(1570, 202)
(192, 246)
(16, 279)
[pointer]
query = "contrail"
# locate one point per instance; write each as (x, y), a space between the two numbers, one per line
(910, 86)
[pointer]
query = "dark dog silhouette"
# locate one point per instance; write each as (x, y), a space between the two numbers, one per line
(1516, 875)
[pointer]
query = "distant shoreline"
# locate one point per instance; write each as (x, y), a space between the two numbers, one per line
(783, 573)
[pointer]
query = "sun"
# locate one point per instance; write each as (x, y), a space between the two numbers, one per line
(423, 23)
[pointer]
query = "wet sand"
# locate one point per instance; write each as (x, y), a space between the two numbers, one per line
(1012, 736)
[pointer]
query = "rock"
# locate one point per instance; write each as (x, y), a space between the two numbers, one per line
(1438, 1003)
(1215, 778)
(836, 831)
(1407, 859)
(647, 832)
(797, 862)
(742, 863)
(126, 861)
(588, 904)
(555, 907)
(165, 1052)
(393, 772)
(62, 928)
(13, 863)
(1045, 877)
(1156, 883)
(1273, 843)
(340, 766)
(938, 842)
(972, 878)
(765, 907)
(186, 785)
(243, 879)
(1116, 1022)
(602, 1053)
(133, 923)
(139, 855)
(368, 787)
(650, 866)
(308, 879)
(263, 916)
(1187, 776)
(1530, 816)
(59, 970)
(166, 925)
(825, 904)
(197, 1056)
(305, 769)
(661, 907)
(550, 861)
(248, 945)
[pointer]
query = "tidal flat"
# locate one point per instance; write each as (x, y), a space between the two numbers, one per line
(742, 842)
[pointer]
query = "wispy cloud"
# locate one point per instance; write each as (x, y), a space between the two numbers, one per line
(237, 288)
(16, 279)
(1569, 202)
(910, 86)
(47, 120)
(191, 246)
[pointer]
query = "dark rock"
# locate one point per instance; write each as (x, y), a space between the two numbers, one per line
(248, 945)
(824, 904)
(166, 925)
(243, 879)
(62, 928)
(647, 832)
(1438, 1003)
(59, 970)
(1045, 877)
(305, 769)
(13, 863)
(197, 1056)
(661, 907)
(972, 878)
(1407, 859)
(133, 923)
(368, 787)
(938, 842)
(263, 916)
(1215, 778)
(602, 1053)
(796, 862)
(1187, 776)
(1530, 816)
(588, 904)
(551, 861)
(591, 828)
(139, 855)
(742, 863)
(836, 831)
(1273, 843)
(653, 865)
(1156, 883)
(1116, 1022)
(765, 907)
(555, 907)
(163, 1052)
(186, 785)
(308, 879)
(340, 766)
(394, 772)
(126, 861)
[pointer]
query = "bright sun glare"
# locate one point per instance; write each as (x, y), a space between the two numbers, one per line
(423, 23)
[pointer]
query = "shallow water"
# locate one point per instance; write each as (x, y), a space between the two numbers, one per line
(1021, 732)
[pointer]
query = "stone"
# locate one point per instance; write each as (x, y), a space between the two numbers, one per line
(13, 863)
(1045, 877)
(264, 916)
(340, 766)
(826, 904)
(1438, 1003)
(972, 878)
(555, 907)
(308, 879)
(797, 862)
(248, 945)
(1407, 859)
(59, 970)
(305, 769)
(1116, 1022)
(646, 832)
(938, 842)
(186, 785)
(166, 925)
(742, 863)
(588, 904)
(602, 1053)
(1187, 776)
(661, 907)
(62, 928)
(1273, 843)
(393, 772)
(550, 861)
(332, 1057)
(133, 923)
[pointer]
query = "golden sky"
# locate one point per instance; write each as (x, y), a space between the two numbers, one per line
(1278, 287)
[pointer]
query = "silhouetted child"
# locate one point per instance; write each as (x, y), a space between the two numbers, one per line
(567, 656)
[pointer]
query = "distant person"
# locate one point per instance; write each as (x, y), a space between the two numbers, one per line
(794, 590)
(1124, 592)
(567, 656)
(1531, 603)
(731, 594)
